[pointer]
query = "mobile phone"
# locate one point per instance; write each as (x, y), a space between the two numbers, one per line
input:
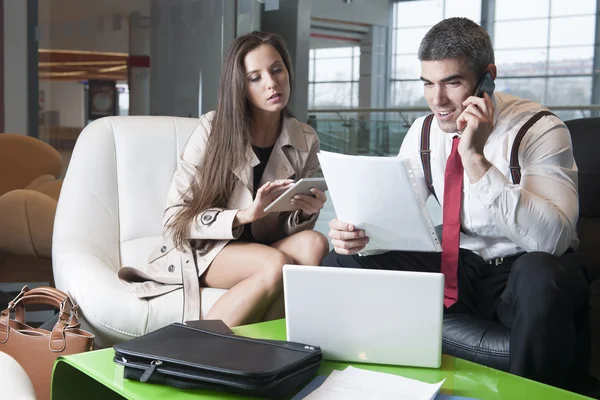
(486, 85)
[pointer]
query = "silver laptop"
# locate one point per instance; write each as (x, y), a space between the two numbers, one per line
(362, 315)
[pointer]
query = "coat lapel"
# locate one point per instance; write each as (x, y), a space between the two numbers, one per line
(280, 164)
(245, 172)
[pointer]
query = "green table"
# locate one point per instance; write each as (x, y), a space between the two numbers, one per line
(94, 375)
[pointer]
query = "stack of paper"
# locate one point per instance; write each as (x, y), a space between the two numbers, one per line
(359, 384)
(381, 196)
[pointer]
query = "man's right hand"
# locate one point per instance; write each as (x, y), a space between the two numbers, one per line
(345, 238)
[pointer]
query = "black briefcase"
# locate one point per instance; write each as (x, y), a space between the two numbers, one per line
(190, 358)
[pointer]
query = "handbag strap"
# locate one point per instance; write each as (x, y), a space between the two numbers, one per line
(68, 316)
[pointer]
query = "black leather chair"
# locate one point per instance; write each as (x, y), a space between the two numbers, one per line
(487, 342)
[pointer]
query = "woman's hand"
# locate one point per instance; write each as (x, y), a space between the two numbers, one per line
(264, 196)
(309, 205)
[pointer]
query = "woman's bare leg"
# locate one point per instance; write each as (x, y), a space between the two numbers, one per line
(253, 274)
(305, 248)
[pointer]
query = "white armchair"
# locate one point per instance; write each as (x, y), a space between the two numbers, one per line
(14, 381)
(110, 215)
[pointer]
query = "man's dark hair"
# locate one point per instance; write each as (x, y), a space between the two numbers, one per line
(458, 38)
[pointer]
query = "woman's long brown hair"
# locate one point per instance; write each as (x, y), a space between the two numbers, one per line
(229, 138)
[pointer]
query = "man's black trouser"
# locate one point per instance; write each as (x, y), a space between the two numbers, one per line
(541, 298)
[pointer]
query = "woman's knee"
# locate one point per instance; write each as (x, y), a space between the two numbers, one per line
(314, 243)
(271, 274)
(319, 243)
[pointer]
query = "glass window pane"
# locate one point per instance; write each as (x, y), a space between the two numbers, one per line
(333, 69)
(123, 102)
(521, 34)
(463, 8)
(521, 62)
(408, 93)
(572, 31)
(520, 9)
(311, 93)
(569, 91)
(571, 60)
(311, 70)
(418, 13)
(532, 89)
(334, 52)
(408, 40)
(333, 94)
(354, 95)
(406, 67)
(570, 7)
(311, 53)
(356, 70)
(566, 115)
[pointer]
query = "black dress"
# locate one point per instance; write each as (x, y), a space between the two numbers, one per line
(263, 154)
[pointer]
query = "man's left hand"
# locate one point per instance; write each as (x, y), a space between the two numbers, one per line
(475, 124)
(309, 205)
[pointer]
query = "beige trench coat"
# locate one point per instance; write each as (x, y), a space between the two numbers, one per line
(294, 156)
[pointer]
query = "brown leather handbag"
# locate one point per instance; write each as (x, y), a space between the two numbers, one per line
(37, 349)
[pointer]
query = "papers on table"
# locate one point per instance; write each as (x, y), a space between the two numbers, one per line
(359, 384)
(380, 195)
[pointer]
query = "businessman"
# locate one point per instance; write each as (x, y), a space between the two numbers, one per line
(509, 216)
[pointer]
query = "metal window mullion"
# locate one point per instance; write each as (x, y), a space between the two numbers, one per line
(546, 85)
(515, 77)
(595, 83)
(488, 16)
(33, 108)
(390, 56)
(352, 76)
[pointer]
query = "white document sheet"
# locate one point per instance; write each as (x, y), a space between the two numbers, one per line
(359, 384)
(379, 195)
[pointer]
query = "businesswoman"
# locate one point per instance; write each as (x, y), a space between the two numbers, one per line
(236, 162)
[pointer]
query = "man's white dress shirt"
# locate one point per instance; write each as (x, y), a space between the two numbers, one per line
(500, 218)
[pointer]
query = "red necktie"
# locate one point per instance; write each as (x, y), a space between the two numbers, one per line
(453, 186)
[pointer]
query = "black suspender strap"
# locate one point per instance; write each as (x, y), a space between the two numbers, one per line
(515, 168)
(426, 152)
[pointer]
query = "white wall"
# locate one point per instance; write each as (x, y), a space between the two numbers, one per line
(364, 11)
(15, 67)
(67, 98)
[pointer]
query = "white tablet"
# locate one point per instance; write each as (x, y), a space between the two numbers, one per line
(303, 186)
